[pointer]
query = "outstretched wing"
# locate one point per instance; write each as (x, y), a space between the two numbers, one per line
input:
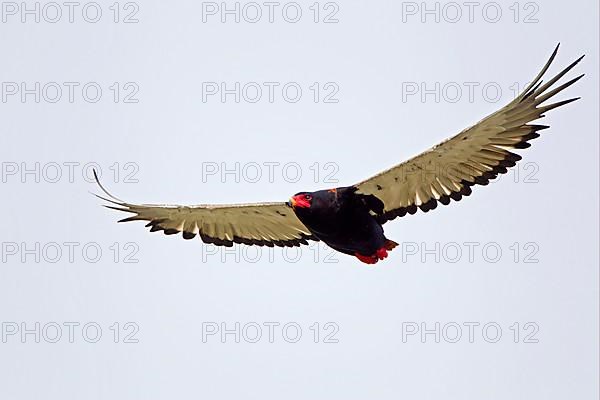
(473, 157)
(262, 224)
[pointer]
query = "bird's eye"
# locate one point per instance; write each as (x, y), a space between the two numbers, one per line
(307, 196)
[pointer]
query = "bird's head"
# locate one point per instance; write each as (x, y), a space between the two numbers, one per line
(301, 200)
(314, 204)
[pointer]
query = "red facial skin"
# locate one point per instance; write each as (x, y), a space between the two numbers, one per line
(301, 201)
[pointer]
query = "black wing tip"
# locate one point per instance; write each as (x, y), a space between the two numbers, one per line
(574, 63)
(303, 240)
(111, 198)
(555, 52)
(533, 87)
(129, 219)
(559, 104)
(569, 100)
(578, 77)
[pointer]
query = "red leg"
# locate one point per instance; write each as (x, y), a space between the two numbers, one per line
(366, 259)
(381, 253)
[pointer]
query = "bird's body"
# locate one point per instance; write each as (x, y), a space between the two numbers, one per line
(345, 221)
(350, 219)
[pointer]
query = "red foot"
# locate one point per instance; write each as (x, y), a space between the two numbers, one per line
(380, 254)
(366, 259)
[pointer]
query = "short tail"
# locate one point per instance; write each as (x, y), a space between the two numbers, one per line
(390, 244)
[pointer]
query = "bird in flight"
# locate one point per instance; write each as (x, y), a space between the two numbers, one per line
(349, 219)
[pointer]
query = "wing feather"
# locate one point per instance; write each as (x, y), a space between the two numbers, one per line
(261, 224)
(473, 157)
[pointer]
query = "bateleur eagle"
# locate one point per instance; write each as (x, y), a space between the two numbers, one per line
(349, 219)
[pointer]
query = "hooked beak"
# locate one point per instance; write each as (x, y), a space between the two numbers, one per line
(298, 201)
